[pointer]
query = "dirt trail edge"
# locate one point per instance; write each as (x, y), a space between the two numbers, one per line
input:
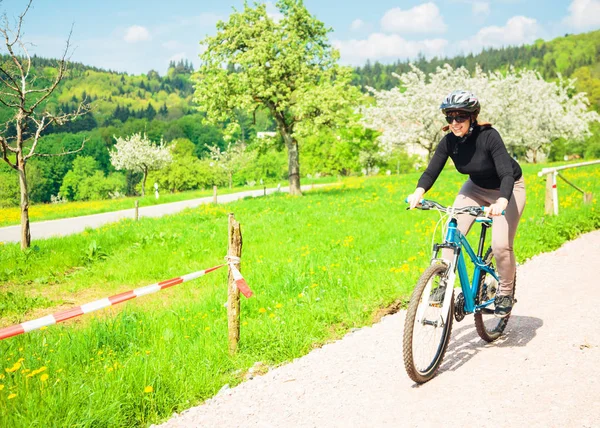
(543, 373)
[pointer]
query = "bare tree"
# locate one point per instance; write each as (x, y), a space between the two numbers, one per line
(29, 118)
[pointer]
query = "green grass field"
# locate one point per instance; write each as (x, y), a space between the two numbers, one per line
(319, 265)
(40, 212)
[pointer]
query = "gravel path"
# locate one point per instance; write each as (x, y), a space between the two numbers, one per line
(542, 373)
(68, 226)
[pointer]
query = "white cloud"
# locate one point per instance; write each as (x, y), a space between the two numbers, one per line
(517, 31)
(380, 46)
(583, 14)
(481, 8)
(136, 33)
(424, 18)
(357, 24)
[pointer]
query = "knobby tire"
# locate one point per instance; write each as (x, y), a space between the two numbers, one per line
(417, 374)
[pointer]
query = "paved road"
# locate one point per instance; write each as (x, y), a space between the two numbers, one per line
(46, 229)
(542, 373)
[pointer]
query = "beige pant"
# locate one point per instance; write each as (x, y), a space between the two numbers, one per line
(504, 228)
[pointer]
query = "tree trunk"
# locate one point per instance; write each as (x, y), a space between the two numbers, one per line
(144, 182)
(293, 155)
(25, 232)
(293, 167)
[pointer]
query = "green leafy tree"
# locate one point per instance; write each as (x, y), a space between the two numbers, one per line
(98, 186)
(286, 66)
(187, 172)
(83, 167)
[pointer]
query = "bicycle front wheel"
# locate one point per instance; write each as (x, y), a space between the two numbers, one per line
(426, 336)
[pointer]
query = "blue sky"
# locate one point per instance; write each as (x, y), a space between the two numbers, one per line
(137, 36)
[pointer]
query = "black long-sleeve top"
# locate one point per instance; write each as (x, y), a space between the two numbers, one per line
(483, 156)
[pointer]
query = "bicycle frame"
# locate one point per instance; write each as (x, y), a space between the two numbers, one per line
(456, 241)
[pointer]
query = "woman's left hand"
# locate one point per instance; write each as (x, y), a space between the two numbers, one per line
(498, 207)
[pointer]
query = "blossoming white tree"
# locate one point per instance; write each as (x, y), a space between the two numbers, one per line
(231, 159)
(137, 153)
(529, 112)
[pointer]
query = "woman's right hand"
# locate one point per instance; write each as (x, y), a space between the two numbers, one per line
(414, 199)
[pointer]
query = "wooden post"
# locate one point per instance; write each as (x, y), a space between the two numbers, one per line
(233, 294)
(587, 197)
(137, 212)
(265, 191)
(555, 192)
(214, 194)
(549, 205)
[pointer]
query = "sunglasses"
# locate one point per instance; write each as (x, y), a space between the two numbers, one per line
(460, 118)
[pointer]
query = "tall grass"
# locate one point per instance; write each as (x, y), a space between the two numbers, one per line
(319, 265)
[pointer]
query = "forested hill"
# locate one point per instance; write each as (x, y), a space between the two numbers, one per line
(575, 56)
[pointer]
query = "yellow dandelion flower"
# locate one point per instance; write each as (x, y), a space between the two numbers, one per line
(1, 387)
(262, 310)
(301, 295)
(314, 285)
(271, 315)
(33, 373)
(206, 328)
(11, 396)
(44, 377)
(279, 306)
(148, 389)
(14, 368)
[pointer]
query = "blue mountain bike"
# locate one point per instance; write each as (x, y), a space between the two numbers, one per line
(433, 305)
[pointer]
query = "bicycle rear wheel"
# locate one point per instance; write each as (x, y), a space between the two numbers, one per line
(425, 342)
(489, 327)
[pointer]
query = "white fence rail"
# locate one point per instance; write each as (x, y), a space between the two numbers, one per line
(551, 204)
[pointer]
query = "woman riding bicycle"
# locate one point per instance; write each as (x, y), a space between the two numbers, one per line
(495, 180)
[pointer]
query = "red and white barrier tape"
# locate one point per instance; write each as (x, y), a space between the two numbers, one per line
(36, 324)
(238, 279)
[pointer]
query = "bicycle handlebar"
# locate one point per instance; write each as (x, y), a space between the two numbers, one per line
(475, 211)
